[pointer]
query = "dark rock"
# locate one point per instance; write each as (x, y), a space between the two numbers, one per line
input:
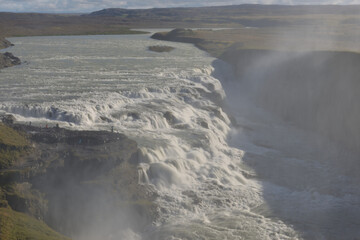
(8, 119)
(181, 126)
(170, 118)
(8, 60)
(233, 121)
(160, 49)
(105, 119)
(134, 115)
(203, 123)
(60, 135)
(14, 60)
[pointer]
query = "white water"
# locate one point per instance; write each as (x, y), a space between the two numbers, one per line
(210, 187)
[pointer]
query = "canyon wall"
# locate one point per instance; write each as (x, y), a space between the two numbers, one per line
(317, 91)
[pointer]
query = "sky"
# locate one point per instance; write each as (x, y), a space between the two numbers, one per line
(85, 6)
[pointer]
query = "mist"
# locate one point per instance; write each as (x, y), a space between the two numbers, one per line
(297, 115)
(91, 185)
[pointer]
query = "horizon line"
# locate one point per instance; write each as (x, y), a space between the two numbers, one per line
(210, 6)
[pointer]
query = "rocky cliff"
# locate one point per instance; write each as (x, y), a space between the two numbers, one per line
(78, 182)
(315, 90)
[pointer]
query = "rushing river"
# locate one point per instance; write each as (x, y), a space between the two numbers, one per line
(214, 180)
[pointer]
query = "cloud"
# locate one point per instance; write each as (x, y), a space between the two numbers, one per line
(93, 5)
(58, 5)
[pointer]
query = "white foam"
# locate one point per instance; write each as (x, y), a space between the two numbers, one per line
(131, 89)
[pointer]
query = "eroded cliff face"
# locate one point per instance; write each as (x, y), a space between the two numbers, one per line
(81, 183)
(317, 91)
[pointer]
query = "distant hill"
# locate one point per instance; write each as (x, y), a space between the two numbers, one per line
(120, 21)
(251, 15)
(231, 11)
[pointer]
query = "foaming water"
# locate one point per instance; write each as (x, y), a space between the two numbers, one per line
(172, 105)
(169, 103)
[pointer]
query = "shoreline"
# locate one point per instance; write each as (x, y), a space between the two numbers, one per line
(7, 59)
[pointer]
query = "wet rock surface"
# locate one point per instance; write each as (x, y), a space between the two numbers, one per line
(170, 118)
(8, 60)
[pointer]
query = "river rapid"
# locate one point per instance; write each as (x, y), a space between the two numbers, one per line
(254, 177)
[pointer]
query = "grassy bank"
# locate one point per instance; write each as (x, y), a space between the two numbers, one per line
(13, 145)
(19, 226)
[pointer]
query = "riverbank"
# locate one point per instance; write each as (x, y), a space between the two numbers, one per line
(57, 176)
(7, 59)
